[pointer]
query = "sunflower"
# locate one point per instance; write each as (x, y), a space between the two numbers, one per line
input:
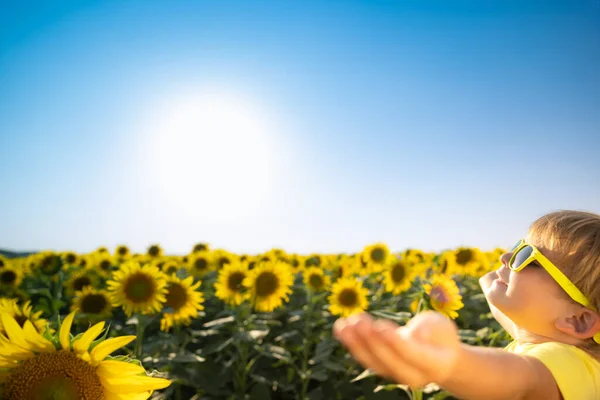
(316, 280)
(94, 303)
(3, 261)
(468, 259)
(49, 263)
(154, 251)
(414, 255)
(313, 260)
(79, 280)
(446, 263)
(22, 315)
(84, 261)
(102, 250)
(398, 276)
(122, 253)
(444, 296)
(222, 258)
(376, 256)
(229, 287)
(104, 264)
(138, 289)
(170, 267)
(63, 367)
(269, 284)
(10, 278)
(184, 300)
(70, 258)
(296, 263)
(200, 247)
(200, 263)
(348, 297)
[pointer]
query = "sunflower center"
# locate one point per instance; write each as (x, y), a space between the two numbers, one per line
(377, 255)
(50, 265)
(1, 263)
(8, 277)
(200, 247)
(139, 288)
(201, 264)
(266, 284)
(171, 269)
(463, 256)
(348, 298)
(93, 303)
(316, 281)
(70, 258)
(122, 251)
(81, 282)
(439, 295)
(223, 261)
(105, 265)
(234, 282)
(153, 251)
(176, 296)
(398, 272)
(53, 376)
(314, 261)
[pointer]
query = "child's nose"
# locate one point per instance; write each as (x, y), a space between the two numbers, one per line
(504, 258)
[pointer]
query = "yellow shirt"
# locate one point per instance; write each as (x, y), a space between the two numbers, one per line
(576, 373)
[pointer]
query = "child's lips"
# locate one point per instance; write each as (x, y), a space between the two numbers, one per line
(500, 279)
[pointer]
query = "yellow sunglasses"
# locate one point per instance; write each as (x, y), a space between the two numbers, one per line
(524, 254)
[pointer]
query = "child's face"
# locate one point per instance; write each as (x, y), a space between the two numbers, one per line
(531, 298)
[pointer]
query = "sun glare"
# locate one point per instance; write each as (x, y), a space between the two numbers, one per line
(212, 156)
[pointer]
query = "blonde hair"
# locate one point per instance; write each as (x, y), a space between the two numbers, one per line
(574, 239)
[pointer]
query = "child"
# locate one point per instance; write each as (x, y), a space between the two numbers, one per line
(545, 295)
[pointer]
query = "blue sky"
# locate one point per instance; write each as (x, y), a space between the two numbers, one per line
(428, 124)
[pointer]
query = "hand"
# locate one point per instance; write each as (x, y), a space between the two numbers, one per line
(425, 350)
(486, 280)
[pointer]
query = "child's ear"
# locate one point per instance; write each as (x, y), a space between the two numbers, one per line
(582, 324)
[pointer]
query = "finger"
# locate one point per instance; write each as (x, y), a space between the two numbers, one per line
(434, 361)
(342, 323)
(394, 364)
(350, 335)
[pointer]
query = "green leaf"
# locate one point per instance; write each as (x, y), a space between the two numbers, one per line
(319, 374)
(219, 322)
(260, 391)
(367, 373)
(214, 347)
(400, 317)
(276, 352)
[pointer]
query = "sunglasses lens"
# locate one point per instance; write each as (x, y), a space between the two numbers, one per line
(515, 246)
(520, 257)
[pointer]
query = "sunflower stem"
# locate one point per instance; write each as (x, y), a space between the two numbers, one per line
(305, 348)
(140, 337)
(417, 394)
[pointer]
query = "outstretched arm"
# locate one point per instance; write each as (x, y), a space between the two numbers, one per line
(428, 349)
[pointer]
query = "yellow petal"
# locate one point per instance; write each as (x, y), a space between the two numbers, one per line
(103, 349)
(114, 368)
(65, 331)
(133, 384)
(37, 340)
(14, 331)
(82, 344)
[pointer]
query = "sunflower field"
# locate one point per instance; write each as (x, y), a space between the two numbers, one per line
(217, 325)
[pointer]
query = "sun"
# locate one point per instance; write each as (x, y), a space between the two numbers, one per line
(211, 155)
